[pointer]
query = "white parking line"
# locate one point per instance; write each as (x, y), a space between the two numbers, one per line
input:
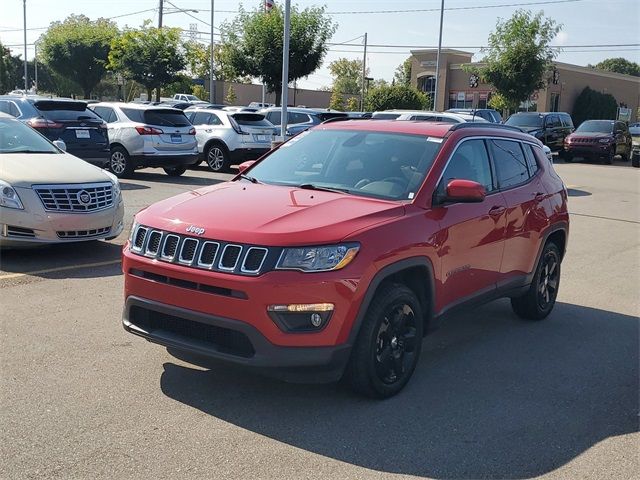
(59, 269)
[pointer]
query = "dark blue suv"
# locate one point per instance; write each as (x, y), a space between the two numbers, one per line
(83, 132)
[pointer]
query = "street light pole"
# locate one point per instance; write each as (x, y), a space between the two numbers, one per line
(285, 70)
(26, 75)
(435, 95)
(160, 8)
(35, 66)
(212, 83)
(364, 72)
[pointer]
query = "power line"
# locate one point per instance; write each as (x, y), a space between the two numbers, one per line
(476, 7)
(483, 46)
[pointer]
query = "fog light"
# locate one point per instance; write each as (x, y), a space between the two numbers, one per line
(305, 317)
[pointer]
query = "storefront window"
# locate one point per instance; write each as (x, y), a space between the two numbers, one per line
(555, 102)
(428, 85)
(460, 100)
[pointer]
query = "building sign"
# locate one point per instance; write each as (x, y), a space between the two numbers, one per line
(624, 114)
(428, 63)
(473, 80)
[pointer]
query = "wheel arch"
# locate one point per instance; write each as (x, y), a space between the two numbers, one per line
(416, 273)
(214, 141)
(118, 144)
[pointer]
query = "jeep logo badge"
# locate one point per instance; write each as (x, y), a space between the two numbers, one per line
(194, 229)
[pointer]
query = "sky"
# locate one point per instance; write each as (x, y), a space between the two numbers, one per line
(587, 24)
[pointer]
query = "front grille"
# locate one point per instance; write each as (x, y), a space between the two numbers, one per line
(203, 254)
(76, 198)
(84, 233)
(222, 339)
(11, 231)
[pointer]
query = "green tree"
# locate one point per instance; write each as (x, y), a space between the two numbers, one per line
(402, 75)
(593, 105)
(395, 96)
(347, 76)
(337, 100)
(231, 96)
(252, 43)
(78, 49)
(181, 84)
(4, 67)
(518, 56)
(619, 65)
(151, 56)
(198, 58)
(353, 104)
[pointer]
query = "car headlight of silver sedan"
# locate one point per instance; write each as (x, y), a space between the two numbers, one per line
(116, 185)
(9, 196)
(318, 259)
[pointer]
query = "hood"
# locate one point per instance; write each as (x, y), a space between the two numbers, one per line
(530, 129)
(268, 214)
(594, 135)
(26, 169)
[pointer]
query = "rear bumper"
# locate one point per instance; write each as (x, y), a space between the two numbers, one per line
(165, 160)
(232, 341)
(240, 155)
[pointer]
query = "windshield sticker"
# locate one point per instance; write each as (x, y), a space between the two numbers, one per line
(434, 139)
(411, 195)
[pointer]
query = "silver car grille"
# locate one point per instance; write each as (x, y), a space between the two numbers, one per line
(76, 198)
(199, 253)
(83, 233)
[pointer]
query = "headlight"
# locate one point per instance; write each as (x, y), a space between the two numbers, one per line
(318, 259)
(9, 197)
(605, 140)
(116, 184)
(134, 226)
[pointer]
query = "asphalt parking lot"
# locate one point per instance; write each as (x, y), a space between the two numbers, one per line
(493, 396)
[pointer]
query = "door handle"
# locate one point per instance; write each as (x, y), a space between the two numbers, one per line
(497, 211)
(539, 196)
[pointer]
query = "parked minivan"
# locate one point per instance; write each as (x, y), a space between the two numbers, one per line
(550, 128)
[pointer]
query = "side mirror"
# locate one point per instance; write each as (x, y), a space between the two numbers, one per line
(244, 165)
(466, 191)
(60, 144)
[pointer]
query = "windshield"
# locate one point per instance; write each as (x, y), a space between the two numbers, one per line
(596, 126)
(534, 120)
(16, 137)
(371, 164)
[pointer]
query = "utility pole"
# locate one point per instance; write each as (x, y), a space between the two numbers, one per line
(435, 95)
(364, 72)
(26, 75)
(268, 5)
(35, 66)
(212, 83)
(285, 70)
(160, 8)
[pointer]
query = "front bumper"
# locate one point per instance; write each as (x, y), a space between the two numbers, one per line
(232, 341)
(34, 225)
(595, 150)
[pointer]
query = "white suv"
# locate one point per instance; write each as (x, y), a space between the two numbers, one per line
(148, 136)
(229, 138)
(446, 117)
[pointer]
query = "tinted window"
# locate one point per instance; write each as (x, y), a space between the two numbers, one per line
(200, 118)
(385, 116)
(107, 114)
(165, 118)
(511, 166)
(469, 162)
(65, 111)
(553, 121)
(275, 117)
(566, 120)
(423, 118)
(531, 160)
(252, 119)
(525, 120)
(374, 164)
(4, 106)
(295, 117)
(133, 114)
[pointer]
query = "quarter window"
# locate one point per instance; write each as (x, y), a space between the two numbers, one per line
(511, 166)
(469, 162)
(200, 118)
(531, 160)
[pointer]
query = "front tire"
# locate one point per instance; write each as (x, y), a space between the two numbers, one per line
(217, 158)
(120, 163)
(388, 345)
(540, 299)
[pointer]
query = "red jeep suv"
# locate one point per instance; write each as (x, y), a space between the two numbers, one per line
(334, 254)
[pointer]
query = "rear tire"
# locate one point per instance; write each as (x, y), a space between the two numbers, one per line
(120, 163)
(175, 171)
(217, 158)
(539, 300)
(388, 346)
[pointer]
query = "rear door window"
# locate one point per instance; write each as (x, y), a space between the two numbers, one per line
(296, 117)
(200, 118)
(510, 163)
(107, 114)
(165, 118)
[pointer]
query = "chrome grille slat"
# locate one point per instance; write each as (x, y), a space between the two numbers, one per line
(84, 233)
(199, 253)
(63, 198)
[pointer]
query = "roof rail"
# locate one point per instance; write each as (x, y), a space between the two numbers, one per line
(459, 126)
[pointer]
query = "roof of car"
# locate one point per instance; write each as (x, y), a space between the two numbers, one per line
(311, 111)
(435, 129)
(136, 106)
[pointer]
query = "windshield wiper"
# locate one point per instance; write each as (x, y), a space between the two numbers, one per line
(26, 151)
(311, 186)
(251, 179)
